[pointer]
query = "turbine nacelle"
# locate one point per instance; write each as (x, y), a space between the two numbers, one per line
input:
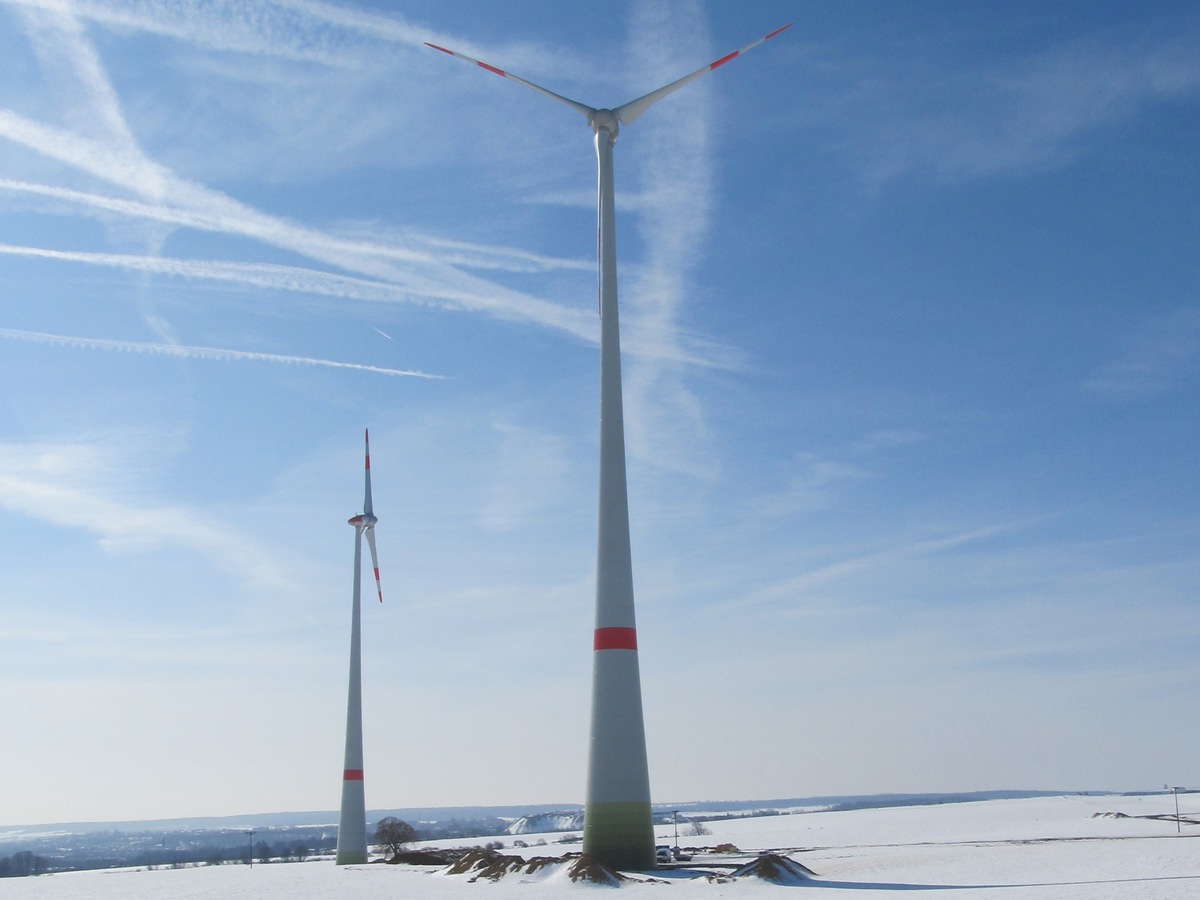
(365, 522)
(605, 120)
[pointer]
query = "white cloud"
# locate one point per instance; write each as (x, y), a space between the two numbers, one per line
(1163, 354)
(886, 438)
(665, 421)
(1025, 114)
(529, 476)
(212, 353)
(405, 267)
(409, 285)
(85, 485)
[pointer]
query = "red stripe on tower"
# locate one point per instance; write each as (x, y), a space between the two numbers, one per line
(724, 59)
(615, 639)
(352, 775)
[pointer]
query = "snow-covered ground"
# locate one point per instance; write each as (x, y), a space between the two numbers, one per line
(1050, 847)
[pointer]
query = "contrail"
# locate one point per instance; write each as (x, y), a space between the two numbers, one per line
(415, 269)
(696, 350)
(409, 285)
(214, 353)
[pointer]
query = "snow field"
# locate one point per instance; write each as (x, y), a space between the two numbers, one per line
(1052, 847)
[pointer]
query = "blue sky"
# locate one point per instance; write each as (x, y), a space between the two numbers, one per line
(911, 320)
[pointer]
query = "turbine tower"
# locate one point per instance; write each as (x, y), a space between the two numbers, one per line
(617, 827)
(352, 828)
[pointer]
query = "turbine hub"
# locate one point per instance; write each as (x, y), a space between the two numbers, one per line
(604, 120)
(362, 521)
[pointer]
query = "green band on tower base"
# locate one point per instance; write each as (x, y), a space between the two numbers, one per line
(620, 835)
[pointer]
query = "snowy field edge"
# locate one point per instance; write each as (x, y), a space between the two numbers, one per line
(1061, 847)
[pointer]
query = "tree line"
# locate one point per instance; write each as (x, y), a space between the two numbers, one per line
(26, 862)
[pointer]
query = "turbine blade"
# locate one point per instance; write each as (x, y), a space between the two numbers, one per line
(630, 111)
(370, 530)
(578, 107)
(367, 510)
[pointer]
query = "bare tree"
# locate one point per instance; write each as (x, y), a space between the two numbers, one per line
(394, 834)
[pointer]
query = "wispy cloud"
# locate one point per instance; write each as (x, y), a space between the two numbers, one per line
(211, 353)
(57, 38)
(506, 259)
(876, 566)
(288, 30)
(810, 485)
(887, 438)
(530, 470)
(113, 156)
(1024, 114)
(1164, 353)
(83, 485)
(411, 288)
(409, 268)
(665, 419)
(441, 250)
(299, 30)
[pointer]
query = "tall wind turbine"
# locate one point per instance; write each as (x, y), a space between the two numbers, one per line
(352, 829)
(617, 828)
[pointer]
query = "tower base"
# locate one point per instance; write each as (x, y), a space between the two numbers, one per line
(350, 858)
(620, 835)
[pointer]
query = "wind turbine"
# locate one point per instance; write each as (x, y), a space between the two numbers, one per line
(617, 828)
(352, 829)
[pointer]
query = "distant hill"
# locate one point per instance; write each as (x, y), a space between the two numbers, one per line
(295, 836)
(433, 815)
(541, 823)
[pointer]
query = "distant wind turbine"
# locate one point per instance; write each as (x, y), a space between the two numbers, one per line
(617, 825)
(352, 829)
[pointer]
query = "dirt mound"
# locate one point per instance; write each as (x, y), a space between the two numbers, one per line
(481, 862)
(492, 866)
(774, 868)
(585, 868)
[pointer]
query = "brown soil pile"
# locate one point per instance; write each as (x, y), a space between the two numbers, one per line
(594, 872)
(476, 861)
(493, 866)
(774, 868)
